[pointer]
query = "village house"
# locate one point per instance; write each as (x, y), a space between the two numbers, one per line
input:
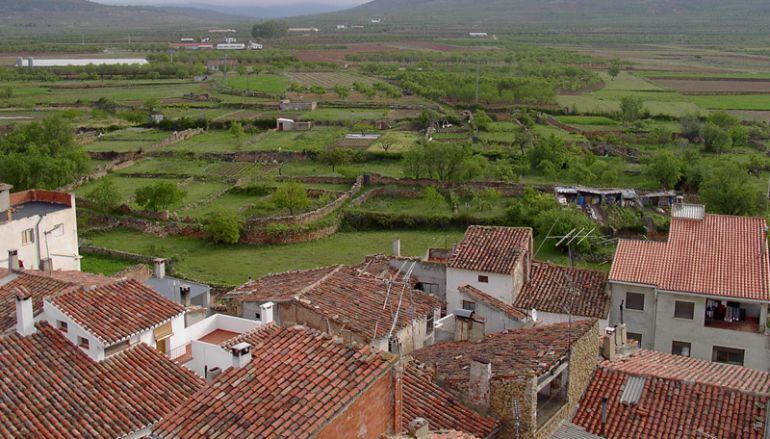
(704, 293)
(298, 382)
(492, 273)
(52, 388)
(387, 314)
(645, 393)
(286, 124)
(529, 378)
(39, 229)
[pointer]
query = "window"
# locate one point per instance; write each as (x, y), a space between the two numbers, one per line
(483, 279)
(470, 306)
(258, 316)
(681, 348)
(83, 342)
(684, 310)
(28, 237)
(635, 301)
(61, 325)
(429, 324)
(636, 337)
(728, 355)
(428, 288)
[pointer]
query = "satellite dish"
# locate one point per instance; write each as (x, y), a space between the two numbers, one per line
(533, 313)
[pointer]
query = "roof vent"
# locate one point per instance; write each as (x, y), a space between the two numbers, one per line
(241, 354)
(688, 211)
(632, 391)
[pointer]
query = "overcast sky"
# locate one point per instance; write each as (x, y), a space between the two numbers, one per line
(258, 3)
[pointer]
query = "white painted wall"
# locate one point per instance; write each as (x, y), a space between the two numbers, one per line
(207, 356)
(499, 286)
(62, 244)
(212, 323)
(495, 320)
(53, 315)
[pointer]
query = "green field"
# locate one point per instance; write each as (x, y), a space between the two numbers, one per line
(264, 83)
(206, 262)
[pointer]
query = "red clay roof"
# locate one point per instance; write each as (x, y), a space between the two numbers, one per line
(551, 287)
(491, 249)
(493, 302)
(116, 311)
(720, 255)
(297, 381)
(514, 353)
(52, 389)
(669, 408)
(644, 362)
(40, 284)
(279, 287)
(423, 398)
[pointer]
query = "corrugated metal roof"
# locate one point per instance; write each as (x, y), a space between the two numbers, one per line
(569, 430)
(688, 211)
(632, 391)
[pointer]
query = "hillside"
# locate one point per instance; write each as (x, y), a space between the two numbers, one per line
(55, 15)
(554, 14)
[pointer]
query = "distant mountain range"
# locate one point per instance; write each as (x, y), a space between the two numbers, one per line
(84, 15)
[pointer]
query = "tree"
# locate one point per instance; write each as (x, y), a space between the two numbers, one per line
(449, 161)
(723, 120)
(150, 105)
(690, 126)
(486, 199)
(614, 69)
(236, 130)
(716, 139)
(41, 155)
(104, 196)
(524, 209)
(333, 157)
(558, 222)
(291, 196)
(433, 198)
(413, 162)
(270, 29)
(159, 196)
(547, 155)
(665, 168)
(631, 109)
(223, 227)
(342, 91)
(482, 120)
(728, 188)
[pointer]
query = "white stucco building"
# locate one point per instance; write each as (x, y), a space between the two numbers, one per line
(41, 227)
(704, 293)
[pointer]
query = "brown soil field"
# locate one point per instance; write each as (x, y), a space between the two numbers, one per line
(733, 86)
(429, 45)
(338, 55)
(757, 116)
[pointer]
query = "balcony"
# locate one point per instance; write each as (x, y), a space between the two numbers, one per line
(733, 316)
(751, 324)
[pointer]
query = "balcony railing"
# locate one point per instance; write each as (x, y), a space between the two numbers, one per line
(749, 324)
(180, 354)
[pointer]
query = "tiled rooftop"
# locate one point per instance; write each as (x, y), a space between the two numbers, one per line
(720, 255)
(299, 379)
(514, 353)
(423, 398)
(52, 389)
(644, 362)
(480, 296)
(116, 311)
(491, 249)
(279, 287)
(40, 284)
(669, 408)
(551, 287)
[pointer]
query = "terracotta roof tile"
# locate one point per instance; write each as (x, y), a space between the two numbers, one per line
(38, 287)
(116, 311)
(297, 381)
(720, 255)
(52, 389)
(491, 249)
(514, 353)
(423, 398)
(669, 408)
(279, 287)
(480, 296)
(551, 287)
(644, 362)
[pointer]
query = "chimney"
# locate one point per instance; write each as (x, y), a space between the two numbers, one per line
(241, 353)
(25, 316)
(13, 260)
(396, 247)
(469, 326)
(616, 342)
(160, 268)
(478, 386)
(46, 265)
(266, 312)
(184, 295)
(418, 428)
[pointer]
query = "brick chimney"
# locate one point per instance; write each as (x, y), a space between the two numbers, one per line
(478, 386)
(241, 354)
(25, 315)
(184, 295)
(615, 343)
(160, 268)
(13, 260)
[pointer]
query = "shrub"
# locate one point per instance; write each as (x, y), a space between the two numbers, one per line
(291, 196)
(104, 196)
(159, 196)
(224, 227)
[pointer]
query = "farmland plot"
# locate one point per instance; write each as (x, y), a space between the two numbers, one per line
(327, 80)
